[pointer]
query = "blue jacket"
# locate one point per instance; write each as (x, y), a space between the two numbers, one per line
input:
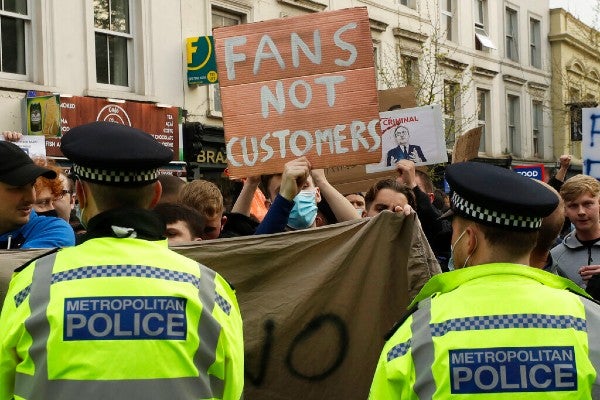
(39, 233)
(277, 216)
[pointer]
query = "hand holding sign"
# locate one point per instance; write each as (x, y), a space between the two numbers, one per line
(295, 174)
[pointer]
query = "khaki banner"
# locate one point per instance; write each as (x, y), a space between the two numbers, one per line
(316, 304)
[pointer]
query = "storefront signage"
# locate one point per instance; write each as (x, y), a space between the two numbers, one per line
(201, 61)
(535, 171)
(160, 122)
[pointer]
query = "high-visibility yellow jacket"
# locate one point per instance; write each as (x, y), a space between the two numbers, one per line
(495, 331)
(120, 319)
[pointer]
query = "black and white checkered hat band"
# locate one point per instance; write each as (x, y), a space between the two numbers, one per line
(492, 217)
(115, 177)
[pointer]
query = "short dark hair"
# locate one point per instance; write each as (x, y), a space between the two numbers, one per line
(515, 242)
(109, 197)
(173, 212)
(171, 185)
(392, 184)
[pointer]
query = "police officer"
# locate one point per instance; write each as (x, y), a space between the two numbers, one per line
(499, 329)
(119, 316)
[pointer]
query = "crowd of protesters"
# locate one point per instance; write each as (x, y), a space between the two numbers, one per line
(39, 208)
(302, 198)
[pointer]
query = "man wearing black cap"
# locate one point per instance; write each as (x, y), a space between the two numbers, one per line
(495, 327)
(119, 316)
(20, 226)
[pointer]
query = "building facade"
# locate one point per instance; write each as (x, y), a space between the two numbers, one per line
(576, 79)
(487, 62)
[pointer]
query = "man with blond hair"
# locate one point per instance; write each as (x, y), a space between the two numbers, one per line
(205, 197)
(578, 256)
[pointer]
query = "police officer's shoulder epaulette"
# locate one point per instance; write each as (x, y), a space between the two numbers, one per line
(400, 322)
(54, 250)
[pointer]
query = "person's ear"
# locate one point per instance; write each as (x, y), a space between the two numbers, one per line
(157, 194)
(319, 221)
(472, 241)
(80, 191)
(317, 194)
(223, 222)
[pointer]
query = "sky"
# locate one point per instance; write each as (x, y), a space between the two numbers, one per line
(583, 10)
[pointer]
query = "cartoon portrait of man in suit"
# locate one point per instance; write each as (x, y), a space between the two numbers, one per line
(404, 150)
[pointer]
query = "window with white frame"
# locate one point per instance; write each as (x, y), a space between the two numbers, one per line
(221, 18)
(410, 69)
(14, 24)
(511, 34)
(483, 111)
(407, 3)
(535, 40)
(513, 124)
(451, 107)
(113, 40)
(537, 129)
(482, 39)
(448, 19)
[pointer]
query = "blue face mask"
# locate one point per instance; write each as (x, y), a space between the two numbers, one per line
(305, 209)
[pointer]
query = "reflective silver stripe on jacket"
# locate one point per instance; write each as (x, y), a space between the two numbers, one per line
(423, 351)
(39, 387)
(592, 316)
(423, 331)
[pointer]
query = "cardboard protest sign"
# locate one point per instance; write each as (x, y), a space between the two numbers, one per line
(590, 141)
(466, 146)
(298, 86)
(354, 178)
(413, 134)
(397, 98)
(316, 303)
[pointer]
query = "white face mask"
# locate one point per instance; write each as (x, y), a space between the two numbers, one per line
(453, 246)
